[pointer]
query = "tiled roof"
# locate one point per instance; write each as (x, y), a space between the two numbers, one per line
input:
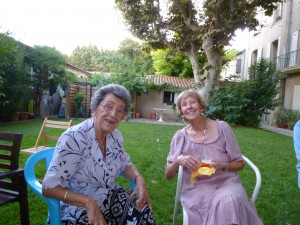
(176, 81)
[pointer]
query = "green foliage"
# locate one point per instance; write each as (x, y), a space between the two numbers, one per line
(170, 63)
(245, 102)
(85, 57)
(187, 27)
(226, 103)
(277, 202)
(262, 91)
(48, 69)
(287, 117)
(130, 54)
(132, 59)
(78, 101)
(100, 80)
(14, 86)
(70, 77)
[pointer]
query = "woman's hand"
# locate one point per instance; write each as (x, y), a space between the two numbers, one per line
(94, 214)
(140, 191)
(189, 161)
(142, 194)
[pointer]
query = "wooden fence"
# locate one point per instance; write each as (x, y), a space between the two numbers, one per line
(72, 90)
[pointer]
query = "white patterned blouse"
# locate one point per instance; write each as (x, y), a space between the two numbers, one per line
(78, 165)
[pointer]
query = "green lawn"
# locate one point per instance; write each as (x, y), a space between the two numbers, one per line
(148, 145)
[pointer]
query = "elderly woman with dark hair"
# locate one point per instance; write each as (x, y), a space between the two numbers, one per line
(87, 160)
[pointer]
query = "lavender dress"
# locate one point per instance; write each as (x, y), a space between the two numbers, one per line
(219, 199)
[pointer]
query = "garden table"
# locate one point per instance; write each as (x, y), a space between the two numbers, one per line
(160, 114)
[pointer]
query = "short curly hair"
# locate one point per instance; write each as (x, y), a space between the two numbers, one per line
(117, 90)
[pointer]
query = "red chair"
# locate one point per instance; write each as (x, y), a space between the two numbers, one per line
(152, 116)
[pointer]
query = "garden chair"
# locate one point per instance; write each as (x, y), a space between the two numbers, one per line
(13, 187)
(152, 116)
(179, 187)
(35, 184)
(44, 132)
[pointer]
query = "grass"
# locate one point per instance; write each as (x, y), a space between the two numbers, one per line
(148, 145)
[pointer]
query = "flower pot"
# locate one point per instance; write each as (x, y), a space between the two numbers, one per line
(24, 115)
(137, 115)
(284, 126)
(15, 117)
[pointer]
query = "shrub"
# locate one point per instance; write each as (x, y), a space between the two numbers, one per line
(79, 98)
(245, 102)
(226, 103)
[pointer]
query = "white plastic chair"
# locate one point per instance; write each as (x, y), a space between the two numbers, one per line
(179, 187)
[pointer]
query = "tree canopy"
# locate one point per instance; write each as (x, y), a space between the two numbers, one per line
(86, 57)
(188, 27)
(47, 69)
(12, 76)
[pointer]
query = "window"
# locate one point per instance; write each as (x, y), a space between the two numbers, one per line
(254, 57)
(169, 97)
(277, 13)
(239, 66)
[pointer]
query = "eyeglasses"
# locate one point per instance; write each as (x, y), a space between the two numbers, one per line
(187, 104)
(110, 107)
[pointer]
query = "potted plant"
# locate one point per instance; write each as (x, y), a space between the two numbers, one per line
(79, 98)
(282, 118)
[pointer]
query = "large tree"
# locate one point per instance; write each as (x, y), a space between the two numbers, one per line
(86, 57)
(47, 70)
(188, 26)
(13, 85)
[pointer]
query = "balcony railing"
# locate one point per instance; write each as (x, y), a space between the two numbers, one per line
(291, 59)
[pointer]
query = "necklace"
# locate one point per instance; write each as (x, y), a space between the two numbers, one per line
(199, 137)
(195, 134)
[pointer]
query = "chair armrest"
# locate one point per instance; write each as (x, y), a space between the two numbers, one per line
(53, 204)
(178, 192)
(11, 173)
(131, 182)
(258, 178)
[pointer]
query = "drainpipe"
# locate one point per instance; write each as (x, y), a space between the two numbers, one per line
(289, 28)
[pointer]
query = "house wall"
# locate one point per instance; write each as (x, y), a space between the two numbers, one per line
(146, 102)
(279, 36)
(292, 100)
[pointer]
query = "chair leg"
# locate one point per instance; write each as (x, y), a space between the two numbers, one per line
(24, 209)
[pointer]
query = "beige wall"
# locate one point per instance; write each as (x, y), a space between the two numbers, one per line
(289, 91)
(278, 36)
(146, 102)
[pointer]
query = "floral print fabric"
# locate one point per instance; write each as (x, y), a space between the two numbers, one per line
(78, 165)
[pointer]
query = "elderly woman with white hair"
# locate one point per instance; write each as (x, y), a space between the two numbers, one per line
(87, 160)
(212, 192)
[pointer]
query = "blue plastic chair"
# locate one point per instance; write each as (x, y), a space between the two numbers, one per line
(29, 170)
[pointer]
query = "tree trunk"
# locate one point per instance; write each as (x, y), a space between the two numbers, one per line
(215, 60)
(193, 57)
(37, 105)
